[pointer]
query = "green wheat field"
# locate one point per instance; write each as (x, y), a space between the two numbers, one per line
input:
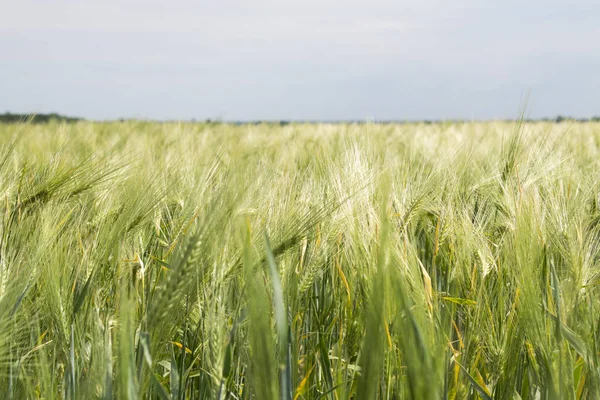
(144, 260)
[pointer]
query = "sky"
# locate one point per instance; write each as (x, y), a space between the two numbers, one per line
(300, 60)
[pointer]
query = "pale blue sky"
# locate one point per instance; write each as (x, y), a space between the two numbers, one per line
(311, 59)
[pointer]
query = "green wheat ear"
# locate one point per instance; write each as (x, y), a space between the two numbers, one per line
(402, 261)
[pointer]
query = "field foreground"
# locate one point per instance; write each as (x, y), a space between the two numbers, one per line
(172, 261)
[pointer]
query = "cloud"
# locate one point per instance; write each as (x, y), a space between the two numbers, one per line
(293, 59)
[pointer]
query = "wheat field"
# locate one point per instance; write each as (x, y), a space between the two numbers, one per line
(307, 261)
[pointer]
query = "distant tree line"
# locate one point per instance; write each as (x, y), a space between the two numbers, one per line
(45, 118)
(562, 118)
(35, 118)
(556, 119)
